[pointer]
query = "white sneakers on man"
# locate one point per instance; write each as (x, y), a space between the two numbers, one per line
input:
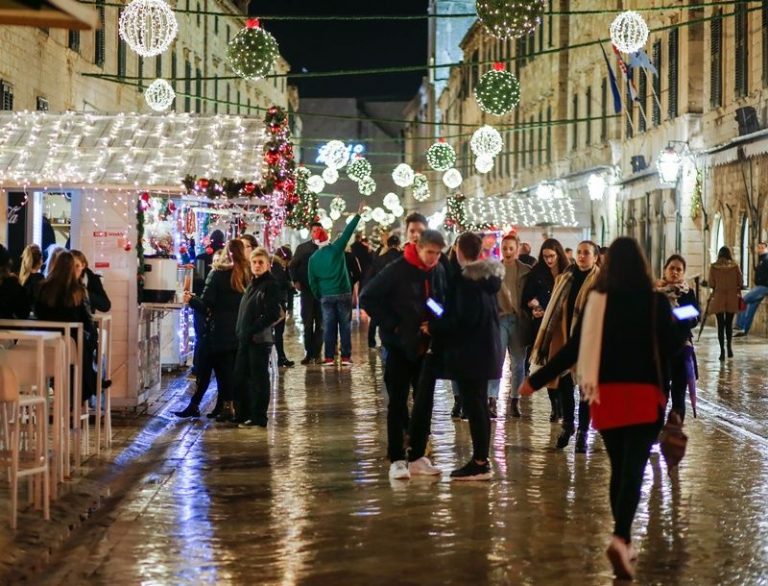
(399, 470)
(423, 467)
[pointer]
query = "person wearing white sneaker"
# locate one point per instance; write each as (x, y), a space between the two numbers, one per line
(423, 467)
(398, 470)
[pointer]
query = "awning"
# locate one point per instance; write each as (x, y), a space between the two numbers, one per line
(752, 145)
(69, 14)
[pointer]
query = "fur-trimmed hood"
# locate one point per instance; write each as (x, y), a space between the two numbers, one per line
(487, 274)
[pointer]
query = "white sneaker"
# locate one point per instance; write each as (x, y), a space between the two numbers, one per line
(399, 471)
(423, 467)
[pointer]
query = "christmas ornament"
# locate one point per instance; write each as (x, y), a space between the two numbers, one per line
(486, 141)
(378, 215)
(145, 196)
(366, 186)
(358, 169)
(338, 204)
(420, 187)
(249, 187)
(326, 223)
(335, 215)
(391, 201)
(252, 52)
(330, 175)
(484, 163)
(334, 154)
(441, 156)
(452, 178)
(403, 175)
(629, 33)
(315, 184)
(148, 26)
(510, 18)
(159, 95)
(498, 91)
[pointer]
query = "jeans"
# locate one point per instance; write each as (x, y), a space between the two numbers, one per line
(568, 403)
(511, 343)
(474, 399)
(400, 375)
(312, 318)
(252, 368)
(752, 298)
(683, 375)
(337, 311)
(628, 449)
(223, 364)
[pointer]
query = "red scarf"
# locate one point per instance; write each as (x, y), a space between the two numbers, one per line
(412, 257)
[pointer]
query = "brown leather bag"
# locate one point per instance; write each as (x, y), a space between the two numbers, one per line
(673, 441)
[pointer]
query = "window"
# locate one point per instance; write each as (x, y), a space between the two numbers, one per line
(630, 112)
(238, 101)
(656, 83)
(187, 86)
(159, 66)
(765, 43)
(42, 104)
(642, 95)
(216, 25)
(672, 76)
(215, 97)
(198, 14)
(531, 46)
(6, 96)
(121, 57)
(229, 33)
(531, 122)
(73, 40)
(575, 124)
(588, 99)
(99, 38)
(174, 69)
(549, 134)
(520, 52)
(604, 110)
(229, 97)
(540, 141)
(140, 73)
(550, 25)
(518, 143)
(716, 60)
(742, 50)
(198, 90)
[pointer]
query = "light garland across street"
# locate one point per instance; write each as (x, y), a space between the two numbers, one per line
(520, 211)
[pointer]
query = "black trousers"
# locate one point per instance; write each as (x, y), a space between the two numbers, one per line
(198, 325)
(372, 325)
(628, 449)
(474, 397)
(565, 390)
(312, 318)
(253, 385)
(279, 332)
(221, 363)
(724, 329)
(400, 375)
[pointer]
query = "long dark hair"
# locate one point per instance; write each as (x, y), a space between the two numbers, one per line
(241, 271)
(625, 268)
(724, 253)
(61, 287)
(562, 260)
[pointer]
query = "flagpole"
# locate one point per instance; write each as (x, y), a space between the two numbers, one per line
(658, 101)
(617, 91)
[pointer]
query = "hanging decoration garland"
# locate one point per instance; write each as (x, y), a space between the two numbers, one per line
(403, 175)
(359, 169)
(217, 188)
(330, 175)
(486, 141)
(441, 156)
(366, 186)
(305, 210)
(159, 95)
(148, 26)
(456, 214)
(315, 184)
(510, 18)
(484, 163)
(420, 187)
(253, 51)
(629, 32)
(279, 178)
(334, 154)
(452, 178)
(498, 91)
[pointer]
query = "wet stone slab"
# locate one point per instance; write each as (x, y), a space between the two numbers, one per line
(308, 501)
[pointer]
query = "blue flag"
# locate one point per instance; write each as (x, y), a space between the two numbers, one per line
(641, 59)
(614, 85)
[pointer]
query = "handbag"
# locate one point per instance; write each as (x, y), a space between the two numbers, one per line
(742, 304)
(673, 441)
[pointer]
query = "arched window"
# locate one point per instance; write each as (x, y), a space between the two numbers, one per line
(718, 237)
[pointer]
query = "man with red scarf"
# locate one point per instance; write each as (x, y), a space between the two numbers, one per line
(397, 299)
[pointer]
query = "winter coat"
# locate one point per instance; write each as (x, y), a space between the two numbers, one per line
(397, 299)
(32, 286)
(259, 311)
(363, 255)
(97, 296)
(468, 331)
(382, 260)
(725, 278)
(539, 286)
(220, 302)
(280, 273)
(328, 271)
(14, 302)
(299, 265)
(761, 271)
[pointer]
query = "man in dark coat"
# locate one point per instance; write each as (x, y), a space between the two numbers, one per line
(756, 294)
(311, 311)
(362, 253)
(387, 255)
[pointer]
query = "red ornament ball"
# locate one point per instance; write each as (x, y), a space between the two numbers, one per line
(249, 187)
(128, 247)
(171, 207)
(145, 196)
(202, 183)
(182, 249)
(272, 157)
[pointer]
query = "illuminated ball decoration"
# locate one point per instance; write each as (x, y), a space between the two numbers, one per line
(338, 204)
(420, 187)
(498, 91)
(253, 51)
(366, 186)
(334, 154)
(441, 156)
(159, 95)
(452, 178)
(315, 184)
(148, 26)
(486, 141)
(359, 169)
(304, 172)
(403, 175)
(484, 163)
(398, 211)
(330, 175)
(391, 201)
(510, 18)
(335, 215)
(365, 216)
(629, 32)
(326, 223)
(378, 215)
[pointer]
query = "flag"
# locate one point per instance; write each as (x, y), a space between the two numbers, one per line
(641, 59)
(614, 86)
(627, 75)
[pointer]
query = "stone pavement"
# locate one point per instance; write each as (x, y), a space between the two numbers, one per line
(308, 501)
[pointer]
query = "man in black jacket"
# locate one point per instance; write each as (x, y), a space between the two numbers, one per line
(397, 299)
(756, 294)
(311, 311)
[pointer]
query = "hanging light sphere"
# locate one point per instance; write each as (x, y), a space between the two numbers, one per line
(338, 204)
(629, 32)
(303, 173)
(366, 186)
(330, 175)
(484, 163)
(452, 178)
(403, 175)
(486, 141)
(510, 18)
(498, 91)
(668, 165)
(315, 184)
(398, 211)
(159, 95)
(391, 201)
(335, 154)
(596, 185)
(359, 169)
(148, 26)
(326, 222)
(389, 219)
(378, 215)
(335, 215)
(441, 156)
(365, 216)
(420, 187)
(253, 51)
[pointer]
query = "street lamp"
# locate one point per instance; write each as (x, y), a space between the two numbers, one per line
(668, 165)
(596, 185)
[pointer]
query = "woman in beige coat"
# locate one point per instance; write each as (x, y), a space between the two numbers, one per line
(725, 279)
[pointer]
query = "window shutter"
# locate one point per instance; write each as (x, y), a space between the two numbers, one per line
(6, 96)
(187, 86)
(198, 90)
(674, 36)
(716, 60)
(656, 81)
(549, 134)
(42, 104)
(100, 39)
(159, 66)
(588, 98)
(73, 40)
(630, 112)
(540, 141)
(530, 141)
(140, 74)
(604, 110)
(765, 43)
(642, 95)
(742, 50)
(575, 125)
(174, 68)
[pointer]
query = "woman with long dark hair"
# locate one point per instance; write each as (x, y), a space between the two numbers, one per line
(536, 295)
(218, 305)
(569, 297)
(30, 273)
(626, 330)
(279, 270)
(725, 279)
(97, 295)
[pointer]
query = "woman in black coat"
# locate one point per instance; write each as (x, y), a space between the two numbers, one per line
(468, 333)
(14, 303)
(219, 305)
(30, 275)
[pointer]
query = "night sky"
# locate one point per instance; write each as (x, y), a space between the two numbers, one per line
(345, 44)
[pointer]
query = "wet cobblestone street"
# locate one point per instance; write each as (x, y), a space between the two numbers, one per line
(308, 501)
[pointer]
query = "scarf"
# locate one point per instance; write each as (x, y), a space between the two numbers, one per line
(412, 258)
(591, 347)
(673, 291)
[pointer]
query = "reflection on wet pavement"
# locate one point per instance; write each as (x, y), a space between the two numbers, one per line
(308, 500)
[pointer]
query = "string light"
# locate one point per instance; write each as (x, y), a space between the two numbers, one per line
(253, 51)
(338, 204)
(420, 187)
(484, 163)
(148, 27)
(330, 175)
(359, 169)
(159, 95)
(315, 184)
(498, 91)
(391, 201)
(398, 211)
(365, 216)
(510, 18)
(486, 142)
(334, 154)
(452, 178)
(378, 215)
(366, 186)
(441, 156)
(403, 175)
(519, 211)
(629, 32)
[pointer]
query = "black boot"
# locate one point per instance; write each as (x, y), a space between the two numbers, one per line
(581, 442)
(192, 410)
(227, 414)
(216, 410)
(514, 408)
(564, 437)
(554, 405)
